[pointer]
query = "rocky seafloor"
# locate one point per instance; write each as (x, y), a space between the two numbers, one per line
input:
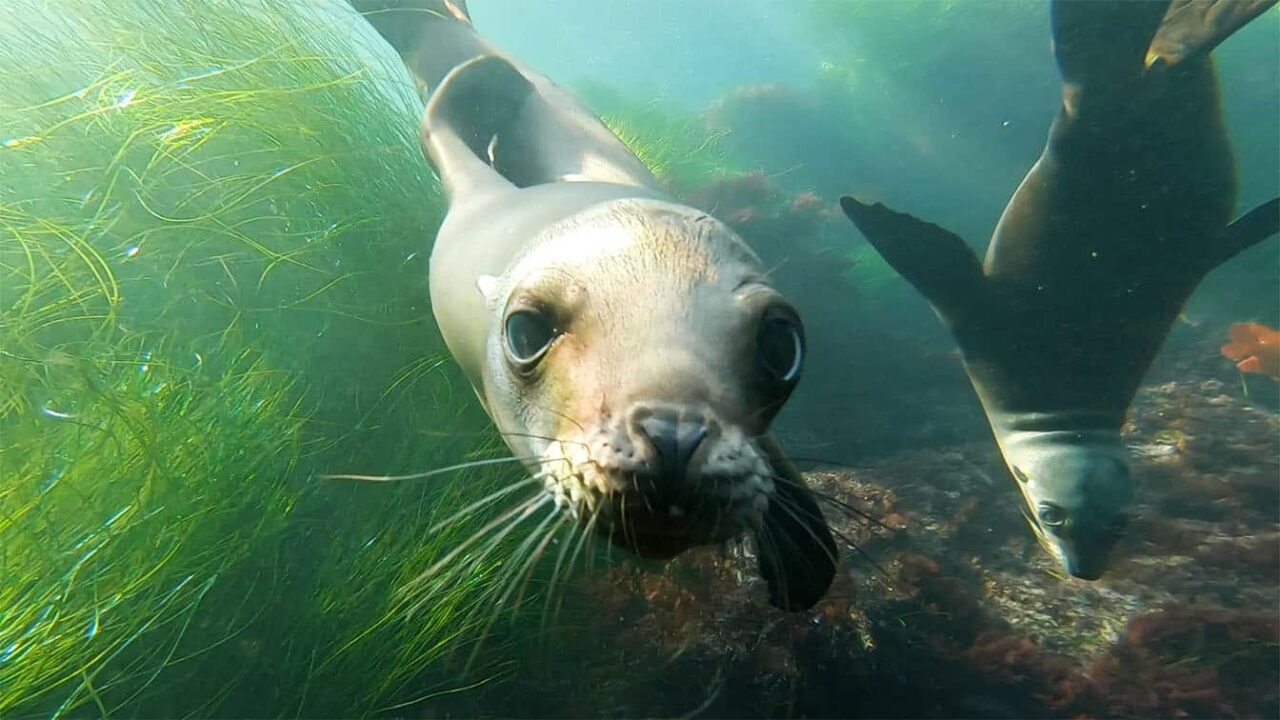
(950, 608)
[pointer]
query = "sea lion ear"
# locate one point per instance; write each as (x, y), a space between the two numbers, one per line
(794, 547)
(1249, 229)
(488, 286)
(935, 261)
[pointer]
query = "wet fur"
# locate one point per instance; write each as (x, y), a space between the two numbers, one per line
(657, 301)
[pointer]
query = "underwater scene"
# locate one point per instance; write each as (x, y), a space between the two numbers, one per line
(623, 358)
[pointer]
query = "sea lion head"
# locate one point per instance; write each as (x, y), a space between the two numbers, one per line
(636, 358)
(1078, 490)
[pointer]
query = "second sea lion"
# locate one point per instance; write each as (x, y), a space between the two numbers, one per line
(1124, 213)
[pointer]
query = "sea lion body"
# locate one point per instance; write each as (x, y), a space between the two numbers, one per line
(1101, 245)
(629, 349)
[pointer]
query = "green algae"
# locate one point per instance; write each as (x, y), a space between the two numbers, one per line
(677, 147)
(129, 491)
(213, 240)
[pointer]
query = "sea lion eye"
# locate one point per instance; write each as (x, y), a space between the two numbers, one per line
(529, 334)
(1051, 515)
(780, 348)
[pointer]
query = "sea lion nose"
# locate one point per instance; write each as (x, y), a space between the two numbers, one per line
(675, 435)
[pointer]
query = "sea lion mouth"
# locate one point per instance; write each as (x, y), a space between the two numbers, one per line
(661, 528)
(639, 510)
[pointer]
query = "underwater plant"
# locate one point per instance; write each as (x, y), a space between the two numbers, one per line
(131, 487)
(677, 147)
(213, 233)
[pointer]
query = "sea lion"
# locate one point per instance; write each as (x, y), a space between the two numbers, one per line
(1123, 214)
(628, 348)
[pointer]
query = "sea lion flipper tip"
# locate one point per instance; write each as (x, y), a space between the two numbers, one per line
(1248, 230)
(795, 548)
(1193, 28)
(936, 261)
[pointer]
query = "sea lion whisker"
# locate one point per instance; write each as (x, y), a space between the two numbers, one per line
(588, 535)
(492, 543)
(486, 500)
(513, 569)
(548, 438)
(806, 558)
(486, 433)
(824, 461)
(527, 511)
(791, 509)
(622, 514)
(764, 409)
(560, 414)
(515, 565)
(765, 543)
(831, 499)
(524, 509)
(592, 554)
(437, 471)
(538, 551)
(565, 547)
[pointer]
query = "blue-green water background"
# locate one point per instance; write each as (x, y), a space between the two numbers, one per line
(934, 107)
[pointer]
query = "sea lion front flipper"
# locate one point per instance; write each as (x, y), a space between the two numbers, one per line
(1249, 229)
(526, 128)
(431, 36)
(795, 549)
(936, 261)
(1103, 42)
(474, 104)
(1196, 27)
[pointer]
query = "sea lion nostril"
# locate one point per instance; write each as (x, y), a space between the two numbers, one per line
(675, 437)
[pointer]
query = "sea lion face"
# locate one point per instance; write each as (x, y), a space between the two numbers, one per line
(637, 354)
(1078, 490)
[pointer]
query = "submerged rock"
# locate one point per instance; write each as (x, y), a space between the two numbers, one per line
(962, 614)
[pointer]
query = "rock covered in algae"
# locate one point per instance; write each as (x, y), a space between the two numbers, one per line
(962, 613)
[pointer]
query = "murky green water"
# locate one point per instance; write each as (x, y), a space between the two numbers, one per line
(215, 225)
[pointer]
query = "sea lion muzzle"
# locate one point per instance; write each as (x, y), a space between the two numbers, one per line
(674, 435)
(675, 480)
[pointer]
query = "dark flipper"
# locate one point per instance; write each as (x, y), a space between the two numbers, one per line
(528, 129)
(1196, 27)
(431, 36)
(934, 260)
(796, 551)
(475, 103)
(1249, 229)
(479, 102)
(1103, 42)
